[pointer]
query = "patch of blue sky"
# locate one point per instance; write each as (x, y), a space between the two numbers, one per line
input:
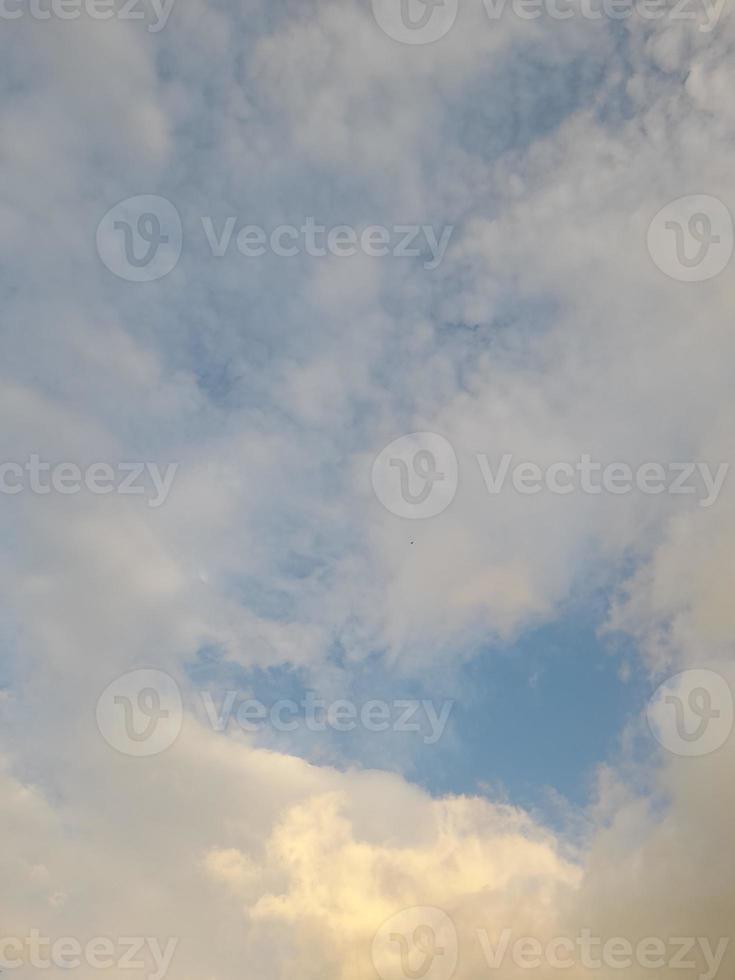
(531, 721)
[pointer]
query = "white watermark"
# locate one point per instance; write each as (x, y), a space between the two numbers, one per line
(415, 21)
(140, 239)
(142, 714)
(417, 476)
(691, 239)
(593, 477)
(594, 952)
(423, 942)
(692, 713)
(311, 238)
(314, 714)
(426, 21)
(144, 953)
(706, 13)
(416, 944)
(41, 477)
(154, 12)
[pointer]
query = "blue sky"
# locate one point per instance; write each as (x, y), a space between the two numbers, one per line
(545, 713)
(531, 719)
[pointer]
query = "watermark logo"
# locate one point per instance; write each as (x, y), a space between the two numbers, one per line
(416, 944)
(691, 239)
(140, 239)
(415, 21)
(426, 21)
(416, 476)
(691, 714)
(141, 713)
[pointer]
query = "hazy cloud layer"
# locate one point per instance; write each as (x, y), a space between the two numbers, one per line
(546, 331)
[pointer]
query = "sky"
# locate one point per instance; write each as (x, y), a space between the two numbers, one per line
(365, 503)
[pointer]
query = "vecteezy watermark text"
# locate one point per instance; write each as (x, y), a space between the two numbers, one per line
(130, 10)
(427, 21)
(341, 241)
(141, 714)
(597, 952)
(417, 476)
(590, 476)
(40, 477)
(423, 942)
(100, 953)
(646, 10)
(140, 239)
(316, 714)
